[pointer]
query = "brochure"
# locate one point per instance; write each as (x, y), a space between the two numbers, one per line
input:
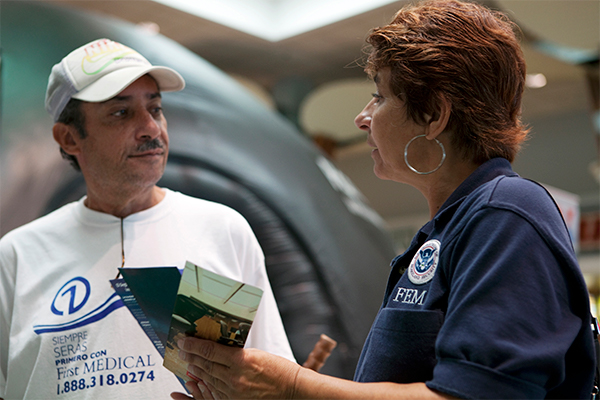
(149, 294)
(209, 306)
(169, 305)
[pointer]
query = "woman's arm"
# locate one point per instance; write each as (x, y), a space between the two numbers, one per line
(227, 372)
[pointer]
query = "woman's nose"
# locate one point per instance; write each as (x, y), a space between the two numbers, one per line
(363, 120)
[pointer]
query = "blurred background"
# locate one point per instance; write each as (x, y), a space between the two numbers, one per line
(302, 60)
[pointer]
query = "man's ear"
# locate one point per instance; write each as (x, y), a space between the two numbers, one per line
(438, 122)
(67, 137)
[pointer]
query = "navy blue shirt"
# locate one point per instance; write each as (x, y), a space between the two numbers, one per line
(488, 301)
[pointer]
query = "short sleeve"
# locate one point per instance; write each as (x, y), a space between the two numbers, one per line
(7, 290)
(267, 332)
(508, 324)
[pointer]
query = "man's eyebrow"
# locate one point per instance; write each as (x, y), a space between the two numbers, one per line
(150, 96)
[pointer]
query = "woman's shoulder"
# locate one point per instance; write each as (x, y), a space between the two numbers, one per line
(517, 192)
(509, 192)
(526, 198)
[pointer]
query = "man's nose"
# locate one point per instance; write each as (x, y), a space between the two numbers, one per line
(149, 126)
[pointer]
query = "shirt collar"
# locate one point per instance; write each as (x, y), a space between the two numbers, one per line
(483, 174)
(486, 172)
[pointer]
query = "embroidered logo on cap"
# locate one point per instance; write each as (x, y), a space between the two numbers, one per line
(424, 263)
(101, 54)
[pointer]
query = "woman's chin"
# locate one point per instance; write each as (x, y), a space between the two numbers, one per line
(381, 173)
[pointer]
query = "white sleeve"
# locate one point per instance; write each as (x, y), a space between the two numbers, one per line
(7, 290)
(267, 332)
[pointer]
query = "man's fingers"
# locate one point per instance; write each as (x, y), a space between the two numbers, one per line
(317, 357)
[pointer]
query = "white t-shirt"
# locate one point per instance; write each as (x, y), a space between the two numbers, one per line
(63, 331)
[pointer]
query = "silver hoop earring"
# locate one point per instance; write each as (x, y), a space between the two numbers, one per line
(413, 168)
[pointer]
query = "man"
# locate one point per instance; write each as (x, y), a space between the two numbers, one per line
(64, 333)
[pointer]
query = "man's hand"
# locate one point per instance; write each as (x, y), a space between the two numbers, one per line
(233, 373)
(322, 350)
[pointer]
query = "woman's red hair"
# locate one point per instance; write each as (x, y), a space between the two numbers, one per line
(468, 55)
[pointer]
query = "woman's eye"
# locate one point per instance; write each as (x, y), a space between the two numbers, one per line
(376, 96)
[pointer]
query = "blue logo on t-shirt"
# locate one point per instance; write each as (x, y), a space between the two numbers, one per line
(70, 299)
(74, 293)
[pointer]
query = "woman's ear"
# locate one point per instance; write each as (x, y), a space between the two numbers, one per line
(439, 120)
(67, 137)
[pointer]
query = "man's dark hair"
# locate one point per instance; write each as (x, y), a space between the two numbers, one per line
(72, 115)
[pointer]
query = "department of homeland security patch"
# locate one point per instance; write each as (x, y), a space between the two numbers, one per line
(424, 263)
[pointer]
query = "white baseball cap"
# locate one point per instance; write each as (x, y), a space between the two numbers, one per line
(100, 70)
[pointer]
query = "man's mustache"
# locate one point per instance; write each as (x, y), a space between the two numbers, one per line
(152, 144)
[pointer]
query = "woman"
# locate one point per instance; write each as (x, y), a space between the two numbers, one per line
(488, 301)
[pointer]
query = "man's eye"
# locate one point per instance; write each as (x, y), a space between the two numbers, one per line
(119, 113)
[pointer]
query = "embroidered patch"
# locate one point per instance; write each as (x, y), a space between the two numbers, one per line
(424, 263)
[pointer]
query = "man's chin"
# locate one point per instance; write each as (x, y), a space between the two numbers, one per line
(146, 178)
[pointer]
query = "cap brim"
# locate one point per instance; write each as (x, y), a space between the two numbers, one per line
(112, 84)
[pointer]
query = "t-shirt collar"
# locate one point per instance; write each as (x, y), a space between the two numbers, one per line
(92, 217)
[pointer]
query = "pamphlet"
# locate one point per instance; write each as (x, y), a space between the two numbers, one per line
(149, 294)
(209, 306)
(170, 305)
